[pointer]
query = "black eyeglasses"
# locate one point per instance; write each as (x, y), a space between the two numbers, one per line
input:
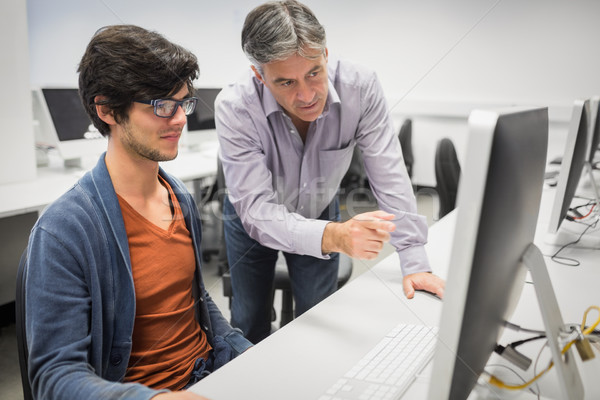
(166, 108)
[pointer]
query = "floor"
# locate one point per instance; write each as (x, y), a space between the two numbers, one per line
(10, 378)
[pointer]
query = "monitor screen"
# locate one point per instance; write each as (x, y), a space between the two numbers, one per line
(497, 210)
(573, 161)
(204, 116)
(68, 115)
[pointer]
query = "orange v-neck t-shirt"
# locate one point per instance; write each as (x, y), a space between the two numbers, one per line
(167, 339)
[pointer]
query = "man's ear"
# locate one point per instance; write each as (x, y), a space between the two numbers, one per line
(105, 113)
(257, 74)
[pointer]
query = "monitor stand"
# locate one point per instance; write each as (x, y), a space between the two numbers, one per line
(200, 140)
(72, 162)
(570, 382)
(569, 379)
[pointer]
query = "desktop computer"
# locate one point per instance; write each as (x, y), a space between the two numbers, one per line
(492, 250)
(63, 124)
(497, 209)
(573, 220)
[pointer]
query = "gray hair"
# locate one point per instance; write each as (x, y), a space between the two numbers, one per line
(277, 30)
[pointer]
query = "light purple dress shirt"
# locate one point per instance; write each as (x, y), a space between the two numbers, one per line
(279, 185)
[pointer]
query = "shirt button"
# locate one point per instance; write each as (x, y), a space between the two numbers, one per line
(302, 207)
(304, 185)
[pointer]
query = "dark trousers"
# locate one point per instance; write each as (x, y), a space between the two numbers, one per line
(252, 268)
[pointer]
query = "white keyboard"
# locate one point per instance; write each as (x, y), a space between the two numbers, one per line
(389, 368)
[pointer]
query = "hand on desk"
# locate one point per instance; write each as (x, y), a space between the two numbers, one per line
(423, 281)
(361, 237)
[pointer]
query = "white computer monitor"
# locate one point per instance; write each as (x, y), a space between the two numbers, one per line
(63, 124)
(593, 163)
(201, 123)
(497, 210)
(577, 159)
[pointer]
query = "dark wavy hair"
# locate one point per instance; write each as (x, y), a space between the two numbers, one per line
(124, 63)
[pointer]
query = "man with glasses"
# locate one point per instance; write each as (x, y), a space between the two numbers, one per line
(116, 306)
(287, 131)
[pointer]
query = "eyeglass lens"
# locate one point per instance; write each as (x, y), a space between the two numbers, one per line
(167, 108)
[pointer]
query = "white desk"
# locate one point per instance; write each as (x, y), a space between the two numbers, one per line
(304, 358)
(54, 179)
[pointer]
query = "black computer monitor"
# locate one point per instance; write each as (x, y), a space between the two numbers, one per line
(573, 160)
(63, 123)
(67, 112)
(204, 115)
(201, 123)
(497, 210)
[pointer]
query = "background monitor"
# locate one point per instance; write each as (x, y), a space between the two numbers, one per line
(204, 115)
(201, 123)
(62, 123)
(594, 128)
(574, 158)
(497, 210)
(593, 163)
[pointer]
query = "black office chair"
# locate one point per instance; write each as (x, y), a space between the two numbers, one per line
(405, 138)
(282, 282)
(220, 197)
(21, 328)
(447, 175)
(356, 176)
(213, 235)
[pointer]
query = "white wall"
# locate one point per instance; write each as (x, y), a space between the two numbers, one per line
(17, 162)
(436, 59)
(210, 29)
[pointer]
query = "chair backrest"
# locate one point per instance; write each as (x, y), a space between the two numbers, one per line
(20, 326)
(405, 138)
(447, 174)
